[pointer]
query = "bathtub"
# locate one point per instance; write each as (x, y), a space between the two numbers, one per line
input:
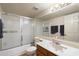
(14, 51)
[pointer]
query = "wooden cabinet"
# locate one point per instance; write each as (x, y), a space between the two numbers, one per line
(43, 52)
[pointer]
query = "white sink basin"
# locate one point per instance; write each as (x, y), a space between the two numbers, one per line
(59, 47)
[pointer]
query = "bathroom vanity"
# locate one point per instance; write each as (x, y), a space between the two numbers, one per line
(48, 48)
(43, 52)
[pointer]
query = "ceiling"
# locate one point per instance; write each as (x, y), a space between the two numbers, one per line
(73, 8)
(25, 9)
(39, 10)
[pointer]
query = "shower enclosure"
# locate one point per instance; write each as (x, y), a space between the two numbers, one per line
(17, 31)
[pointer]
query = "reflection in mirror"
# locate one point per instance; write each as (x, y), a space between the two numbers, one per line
(72, 27)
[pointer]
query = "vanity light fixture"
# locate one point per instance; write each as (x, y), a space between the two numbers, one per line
(58, 6)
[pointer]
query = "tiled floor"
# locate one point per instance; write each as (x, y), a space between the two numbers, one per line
(14, 51)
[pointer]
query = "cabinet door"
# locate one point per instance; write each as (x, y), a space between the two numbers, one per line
(38, 53)
(41, 50)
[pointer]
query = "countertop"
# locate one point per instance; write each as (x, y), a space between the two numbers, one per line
(66, 51)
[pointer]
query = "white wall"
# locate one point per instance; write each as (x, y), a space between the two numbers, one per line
(37, 27)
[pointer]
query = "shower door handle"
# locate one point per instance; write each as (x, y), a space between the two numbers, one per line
(10, 31)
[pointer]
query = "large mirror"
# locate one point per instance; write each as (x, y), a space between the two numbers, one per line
(72, 27)
(65, 27)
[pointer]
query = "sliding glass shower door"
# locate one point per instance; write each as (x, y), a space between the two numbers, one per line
(11, 31)
(17, 31)
(27, 31)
